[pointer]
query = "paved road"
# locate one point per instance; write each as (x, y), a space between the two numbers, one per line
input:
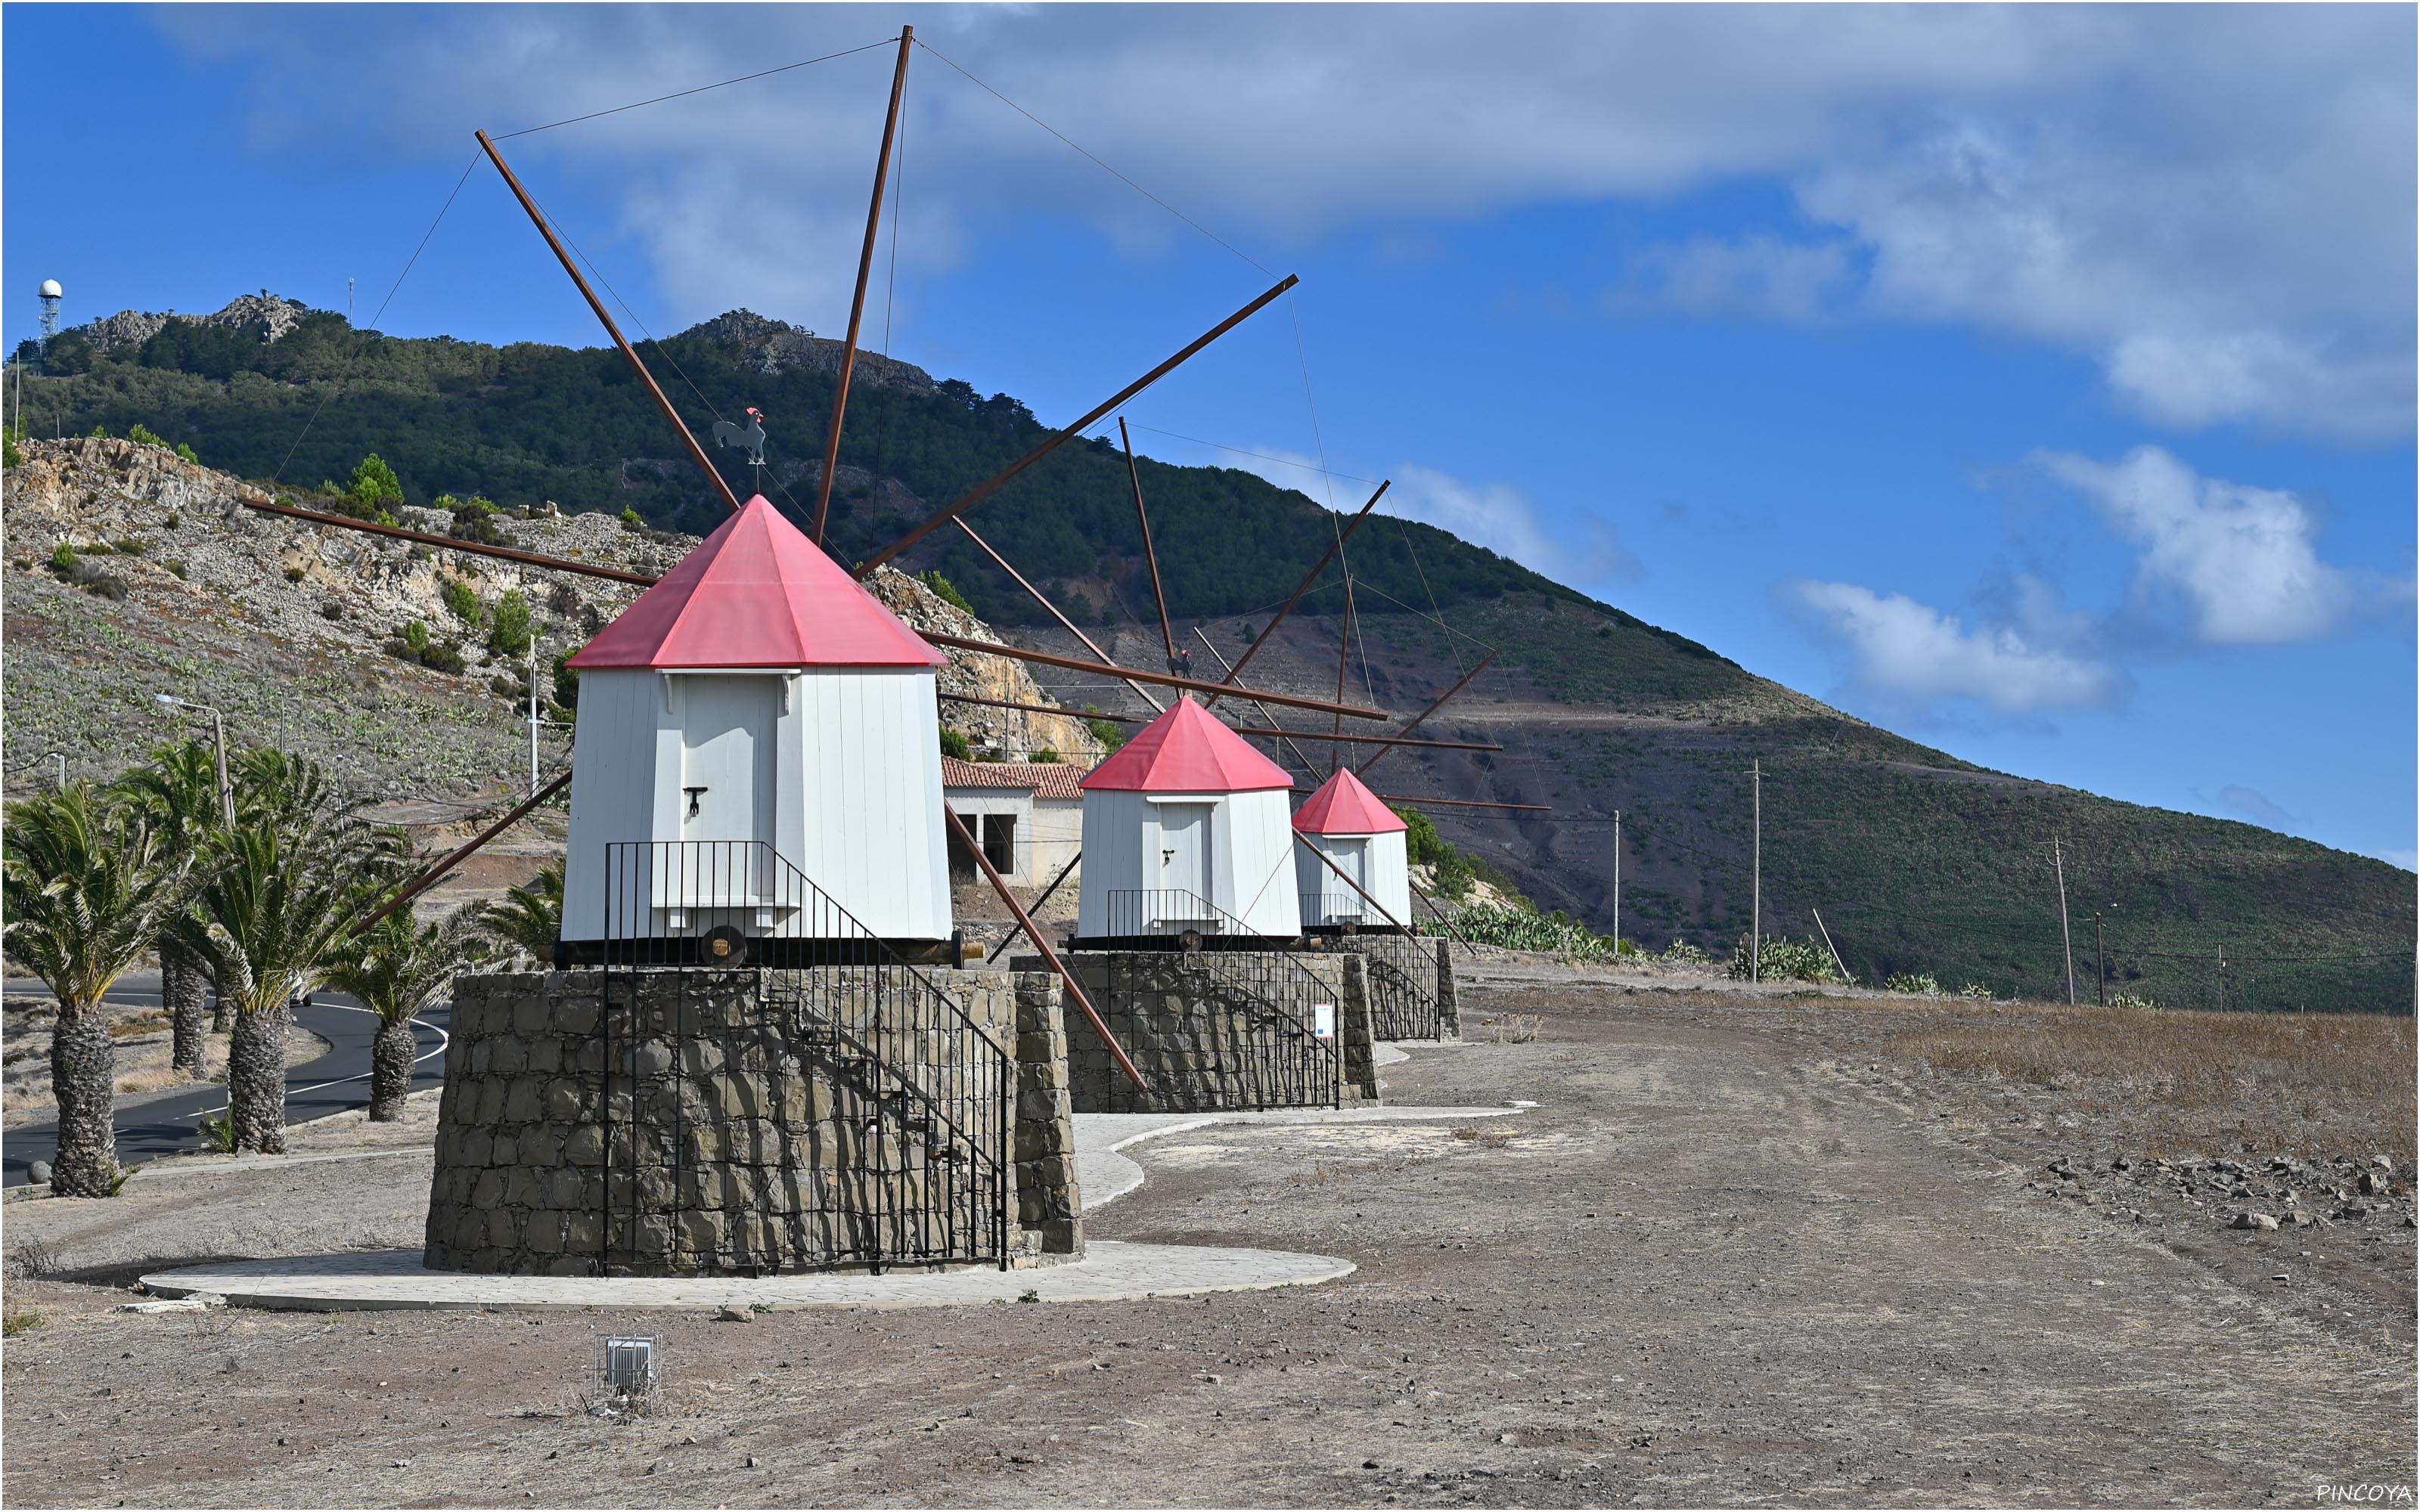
(333, 1082)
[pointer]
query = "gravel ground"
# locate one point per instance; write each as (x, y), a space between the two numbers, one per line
(1721, 1263)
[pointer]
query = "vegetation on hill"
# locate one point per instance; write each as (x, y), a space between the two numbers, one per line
(526, 423)
(1920, 863)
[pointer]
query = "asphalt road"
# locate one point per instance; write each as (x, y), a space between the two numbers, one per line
(335, 1083)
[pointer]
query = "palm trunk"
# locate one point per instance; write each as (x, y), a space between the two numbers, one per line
(184, 990)
(391, 1056)
(256, 1080)
(83, 1078)
(222, 1013)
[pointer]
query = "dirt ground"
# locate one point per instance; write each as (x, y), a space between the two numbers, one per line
(1747, 1250)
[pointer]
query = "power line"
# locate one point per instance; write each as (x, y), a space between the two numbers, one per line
(681, 93)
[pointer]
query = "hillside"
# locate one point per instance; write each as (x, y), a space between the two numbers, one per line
(1916, 860)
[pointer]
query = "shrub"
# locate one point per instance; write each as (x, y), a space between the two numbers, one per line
(463, 602)
(141, 435)
(954, 745)
(373, 483)
(63, 558)
(102, 584)
(944, 590)
(1785, 960)
(129, 546)
(567, 682)
(100, 433)
(1111, 733)
(1682, 953)
(187, 453)
(9, 455)
(509, 633)
(1914, 982)
(1523, 929)
(1044, 755)
(2129, 1000)
(332, 611)
(17, 1323)
(415, 643)
(296, 574)
(632, 521)
(475, 519)
(177, 567)
(1976, 991)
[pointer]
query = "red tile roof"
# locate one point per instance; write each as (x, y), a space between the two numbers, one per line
(1343, 807)
(757, 593)
(1186, 751)
(1049, 780)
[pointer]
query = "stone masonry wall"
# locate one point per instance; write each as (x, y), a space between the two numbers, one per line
(1411, 986)
(753, 1120)
(1219, 1030)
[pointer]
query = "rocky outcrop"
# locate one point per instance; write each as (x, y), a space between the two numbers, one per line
(264, 313)
(1004, 734)
(777, 347)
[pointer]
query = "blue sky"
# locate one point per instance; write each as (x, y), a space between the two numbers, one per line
(2039, 383)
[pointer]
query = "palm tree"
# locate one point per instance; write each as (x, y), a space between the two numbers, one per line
(397, 967)
(87, 879)
(276, 898)
(529, 918)
(180, 788)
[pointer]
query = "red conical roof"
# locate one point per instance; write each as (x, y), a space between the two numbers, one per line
(757, 593)
(1343, 807)
(1186, 751)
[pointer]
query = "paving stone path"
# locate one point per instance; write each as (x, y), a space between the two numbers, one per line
(1111, 1270)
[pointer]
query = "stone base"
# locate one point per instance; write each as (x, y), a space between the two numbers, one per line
(752, 1122)
(1220, 1031)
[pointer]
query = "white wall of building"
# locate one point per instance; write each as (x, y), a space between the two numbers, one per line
(1378, 863)
(1247, 862)
(853, 801)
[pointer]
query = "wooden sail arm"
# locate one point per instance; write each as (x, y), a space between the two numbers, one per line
(991, 485)
(1325, 558)
(697, 453)
(1075, 988)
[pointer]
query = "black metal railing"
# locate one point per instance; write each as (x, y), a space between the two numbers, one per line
(1337, 908)
(782, 1092)
(1135, 912)
(1404, 1003)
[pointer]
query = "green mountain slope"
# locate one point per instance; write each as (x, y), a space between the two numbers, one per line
(1915, 861)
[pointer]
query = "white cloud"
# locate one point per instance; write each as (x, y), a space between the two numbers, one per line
(2216, 203)
(2242, 562)
(1909, 653)
(2402, 855)
(1501, 518)
(1754, 276)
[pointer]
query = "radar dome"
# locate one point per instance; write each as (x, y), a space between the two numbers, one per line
(51, 290)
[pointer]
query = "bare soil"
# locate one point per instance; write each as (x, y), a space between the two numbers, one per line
(1748, 1249)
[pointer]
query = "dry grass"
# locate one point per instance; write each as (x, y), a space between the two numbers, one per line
(2316, 1084)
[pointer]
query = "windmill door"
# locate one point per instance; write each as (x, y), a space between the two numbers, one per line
(1352, 858)
(1185, 861)
(727, 749)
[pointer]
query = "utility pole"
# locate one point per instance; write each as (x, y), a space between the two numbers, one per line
(2101, 958)
(1755, 881)
(2065, 942)
(1617, 880)
(533, 715)
(218, 733)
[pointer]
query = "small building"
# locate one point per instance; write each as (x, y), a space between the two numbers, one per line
(1347, 824)
(758, 750)
(1187, 831)
(1028, 816)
